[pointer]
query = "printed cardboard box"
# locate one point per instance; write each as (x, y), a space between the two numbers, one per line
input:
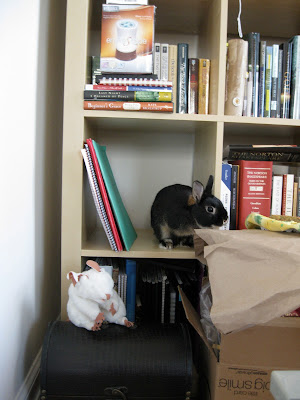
(127, 37)
(240, 367)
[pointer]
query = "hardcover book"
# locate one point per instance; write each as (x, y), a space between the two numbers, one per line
(268, 85)
(127, 38)
(286, 47)
(226, 192)
(284, 153)
(204, 73)
(255, 189)
(115, 95)
(274, 87)
(182, 78)
(262, 78)
(128, 105)
(172, 72)
(253, 39)
(295, 87)
(193, 85)
(237, 57)
(276, 202)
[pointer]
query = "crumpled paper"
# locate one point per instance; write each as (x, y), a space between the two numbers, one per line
(254, 275)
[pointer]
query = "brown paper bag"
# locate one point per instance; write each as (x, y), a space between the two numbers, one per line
(254, 275)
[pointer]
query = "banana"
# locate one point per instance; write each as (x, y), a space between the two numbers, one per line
(257, 221)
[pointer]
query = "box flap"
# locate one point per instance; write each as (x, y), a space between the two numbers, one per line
(274, 343)
(194, 319)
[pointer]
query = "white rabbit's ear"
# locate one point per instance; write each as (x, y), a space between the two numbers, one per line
(94, 265)
(198, 190)
(73, 276)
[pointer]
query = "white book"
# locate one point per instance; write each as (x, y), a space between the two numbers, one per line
(287, 195)
(156, 68)
(276, 204)
(164, 61)
(226, 192)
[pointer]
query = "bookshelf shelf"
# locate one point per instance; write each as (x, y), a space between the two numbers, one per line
(148, 151)
(145, 246)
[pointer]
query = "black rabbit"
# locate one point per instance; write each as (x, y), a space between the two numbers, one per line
(179, 209)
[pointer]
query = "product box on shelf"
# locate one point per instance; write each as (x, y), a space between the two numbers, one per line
(127, 38)
(240, 366)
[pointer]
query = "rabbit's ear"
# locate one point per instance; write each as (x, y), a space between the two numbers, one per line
(209, 185)
(93, 265)
(198, 190)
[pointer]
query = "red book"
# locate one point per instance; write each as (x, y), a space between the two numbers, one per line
(104, 195)
(255, 188)
(160, 106)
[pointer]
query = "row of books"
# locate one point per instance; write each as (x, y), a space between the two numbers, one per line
(263, 80)
(107, 199)
(259, 186)
(149, 287)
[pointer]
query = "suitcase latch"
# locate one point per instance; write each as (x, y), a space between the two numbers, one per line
(118, 392)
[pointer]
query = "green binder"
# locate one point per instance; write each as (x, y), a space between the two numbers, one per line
(124, 223)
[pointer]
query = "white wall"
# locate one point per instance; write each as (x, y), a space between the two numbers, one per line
(31, 82)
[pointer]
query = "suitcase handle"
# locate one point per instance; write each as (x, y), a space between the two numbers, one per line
(117, 392)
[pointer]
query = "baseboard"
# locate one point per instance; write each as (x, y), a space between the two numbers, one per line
(29, 389)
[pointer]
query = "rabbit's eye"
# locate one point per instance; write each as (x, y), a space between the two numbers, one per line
(210, 209)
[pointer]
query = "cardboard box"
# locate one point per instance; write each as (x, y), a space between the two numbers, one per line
(127, 37)
(241, 366)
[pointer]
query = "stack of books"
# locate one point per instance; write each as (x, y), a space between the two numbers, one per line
(261, 179)
(263, 80)
(108, 202)
(122, 76)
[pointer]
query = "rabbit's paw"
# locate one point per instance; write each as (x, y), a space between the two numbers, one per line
(98, 322)
(167, 244)
(128, 323)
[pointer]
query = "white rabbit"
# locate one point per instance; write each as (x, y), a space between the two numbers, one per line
(92, 299)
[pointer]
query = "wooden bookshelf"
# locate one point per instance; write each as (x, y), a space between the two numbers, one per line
(148, 151)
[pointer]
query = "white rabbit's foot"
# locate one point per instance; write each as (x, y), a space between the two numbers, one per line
(128, 323)
(98, 322)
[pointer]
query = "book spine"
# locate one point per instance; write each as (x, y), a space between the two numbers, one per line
(130, 2)
(280, 60)
(262, 69)
(204, 71)
(129, 88)
(256, 74)
(133, 81)
(255, 189)
(95, 68)
(287, 194)
(236, 71)
(274, 87)
(156, 66)
(226, 192)
(164, 60)
(269, 54)
(182, 78)
(295, 199)
(276, 203)
(234, 197)
(297, 179)
(172, 72)
(131, 289)
(295, 87)
(286, 80)
(117, 95)
(128, 106)
(193, 85)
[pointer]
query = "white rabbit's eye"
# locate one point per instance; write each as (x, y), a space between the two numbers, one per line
(210, 209)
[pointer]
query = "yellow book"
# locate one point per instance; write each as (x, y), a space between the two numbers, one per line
(204, 71)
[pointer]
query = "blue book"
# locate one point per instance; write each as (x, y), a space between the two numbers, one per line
(131, 289)
(151, 88)
(182, 78)
(226, 191)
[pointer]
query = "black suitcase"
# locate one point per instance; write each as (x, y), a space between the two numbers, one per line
(149, 362)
